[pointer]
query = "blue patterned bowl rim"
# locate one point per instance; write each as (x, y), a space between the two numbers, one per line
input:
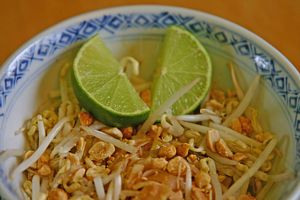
(273, 56)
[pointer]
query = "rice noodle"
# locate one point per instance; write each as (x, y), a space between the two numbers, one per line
(164, 123)
(248, 174)
(35, 187)
(142, 86)
(220, 159)
(25, 195)
(41, 128)
(205, 129)
(115, 173)
(41, 149)
(109, 139)
(236, 84)
(214, 179)
(262, 193)
(244, 188)
(99, 188)
(236, 135)
(188, 181)
(142, 184)
(44, 186)
(199, 118)
(167, 104)
(244, 103)
(97, 125)
(178, 175)
(128, 193)
(174, 127)
(117, 187)
(10, 153)
(195, 127)
(58, 147)
(130, 66)
(208, 111)
(196, 149)
(109, 194)
(69, 145)
(281, 177)
(20, 131)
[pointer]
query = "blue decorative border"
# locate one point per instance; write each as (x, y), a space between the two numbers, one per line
(279, 80)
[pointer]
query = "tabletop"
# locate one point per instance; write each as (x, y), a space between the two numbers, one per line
(278, 22)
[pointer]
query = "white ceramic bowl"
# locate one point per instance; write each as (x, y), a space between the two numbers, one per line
(26, 76)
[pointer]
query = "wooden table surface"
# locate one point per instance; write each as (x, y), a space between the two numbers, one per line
(278, 22)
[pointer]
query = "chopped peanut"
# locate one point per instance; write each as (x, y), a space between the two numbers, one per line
(159, 163)
(74, 159)
(96, 171)
(267, 166)
(45, 170)
(71, 188)
(176, 166)
(154, 191)
(203, 165)
(192, 158)
(101, 150)
(231, 105)
(197, 194)
(246, 125)
(221, 178)
(242, 167)
(215, 104)
(115, 132)
(57, 194)
(168, 151)
(155, 132)
(183, 149)
(44, 158)
(78, 174)
(176, 195)
(127, 132)
(85, 118)
(202, 180)
(238, 146)
(257, 185)
(223, 149)
(218, 95)
(236, 125)
(239, 156)
(212, 137)
(27, 187)
(264, 137)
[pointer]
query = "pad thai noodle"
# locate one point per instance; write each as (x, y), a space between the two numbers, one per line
(219, 152)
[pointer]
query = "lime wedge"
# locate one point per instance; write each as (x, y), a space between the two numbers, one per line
(102, 87)
(182, 60)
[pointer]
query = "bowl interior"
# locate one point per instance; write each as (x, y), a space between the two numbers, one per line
(127, 32)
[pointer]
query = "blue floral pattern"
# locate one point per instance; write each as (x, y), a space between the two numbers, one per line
(271, 70)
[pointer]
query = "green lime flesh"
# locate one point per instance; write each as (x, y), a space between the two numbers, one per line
(182, 60)
(103, 89)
